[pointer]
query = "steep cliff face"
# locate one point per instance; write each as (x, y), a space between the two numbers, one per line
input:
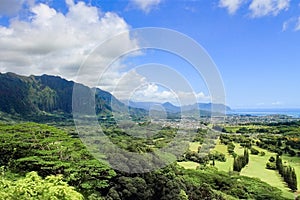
(28, 95)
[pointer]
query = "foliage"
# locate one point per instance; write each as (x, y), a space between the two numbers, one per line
(49, 151)
(217, 156)
(288, 173)
(34, 187)
(230, 148)
(236, 186)
(241, 161)
(45, 96)
(254, 151)
(271, 166)
(34, 147)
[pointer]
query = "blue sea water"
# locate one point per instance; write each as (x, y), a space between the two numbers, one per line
(264, 112)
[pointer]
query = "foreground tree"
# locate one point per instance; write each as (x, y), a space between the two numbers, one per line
(288, 173)
(34, 187)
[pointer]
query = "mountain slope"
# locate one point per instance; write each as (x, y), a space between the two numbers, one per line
(51, 94)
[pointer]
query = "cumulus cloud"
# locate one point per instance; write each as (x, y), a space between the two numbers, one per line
(260, 8)
(150, 92)
(231, 5)
(291, 24)
(145, 5)
(139, 84)
(257, 8)
(122, 85)
(50, 42)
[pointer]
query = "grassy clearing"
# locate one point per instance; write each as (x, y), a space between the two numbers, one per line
(227, 166)
(223, 166)
(238, 149)
(193, 146)
(234, 129)
(188, 164)
(257, 167)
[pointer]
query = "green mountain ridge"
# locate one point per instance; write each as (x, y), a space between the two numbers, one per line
(42, 98)
(46, 94)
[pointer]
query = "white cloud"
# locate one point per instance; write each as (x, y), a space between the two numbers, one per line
(292, 23)
(286, 25)
(231, 5)
(54, 43)
(151, 92)
(122, 85)
(260, 8)
(146, 5)
(297, 27)
(131, 85)
(257, 8)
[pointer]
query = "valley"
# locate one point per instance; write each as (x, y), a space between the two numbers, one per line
(44, 142)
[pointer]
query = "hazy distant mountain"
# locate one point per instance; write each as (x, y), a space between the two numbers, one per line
(207, 107)
(153, 105)
(169, 107)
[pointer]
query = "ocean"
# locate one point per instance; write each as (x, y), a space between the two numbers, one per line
(264, 112)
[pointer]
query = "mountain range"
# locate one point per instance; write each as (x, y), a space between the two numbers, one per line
(42, 95)
(169, 107)
(46, 94)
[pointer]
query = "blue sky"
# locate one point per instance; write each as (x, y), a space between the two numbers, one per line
(254, 43)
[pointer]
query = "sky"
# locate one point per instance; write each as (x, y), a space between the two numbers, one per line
(254, 44)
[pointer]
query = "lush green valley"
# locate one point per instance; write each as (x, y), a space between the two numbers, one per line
(48, 150)
(43, 157)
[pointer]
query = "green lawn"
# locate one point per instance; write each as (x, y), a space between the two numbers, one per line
(257, 167)
(235, 128)
(238, 149)
(194, 146)
(227, 166)
(188, 164)
(223, 166)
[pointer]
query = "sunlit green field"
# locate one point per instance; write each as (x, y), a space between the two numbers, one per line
(193, 146)
(188, 164)
(257, 167)
(224, 166)
(235, 128)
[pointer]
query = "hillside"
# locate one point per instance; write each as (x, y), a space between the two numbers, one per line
(37, 95)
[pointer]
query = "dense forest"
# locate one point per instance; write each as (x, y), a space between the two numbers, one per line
(62, 162)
